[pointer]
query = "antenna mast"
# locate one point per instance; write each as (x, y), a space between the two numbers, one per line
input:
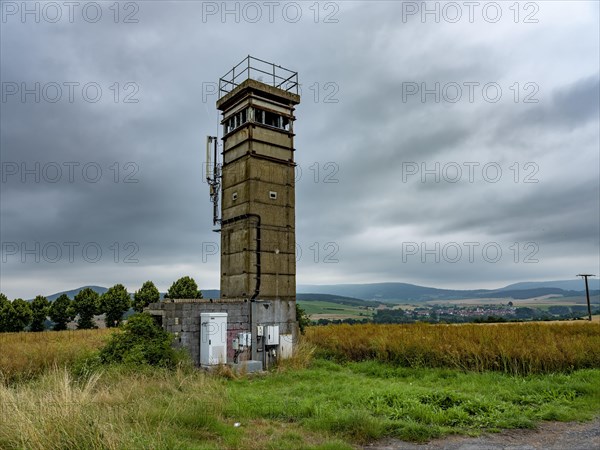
(213, 175)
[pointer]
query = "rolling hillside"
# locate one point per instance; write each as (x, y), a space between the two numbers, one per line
(376, 293)
(403, 292)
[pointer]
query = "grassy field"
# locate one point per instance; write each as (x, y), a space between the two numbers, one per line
(325, 397)
(328, 310)
(516, 348)
(24, 355)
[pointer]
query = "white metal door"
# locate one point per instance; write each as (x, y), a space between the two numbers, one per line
(213, 338)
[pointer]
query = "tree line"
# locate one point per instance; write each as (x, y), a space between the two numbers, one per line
(19, 315)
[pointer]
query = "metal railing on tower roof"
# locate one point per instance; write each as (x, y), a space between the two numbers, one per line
(259, 70)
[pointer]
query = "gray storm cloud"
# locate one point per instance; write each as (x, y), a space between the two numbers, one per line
(381, 131)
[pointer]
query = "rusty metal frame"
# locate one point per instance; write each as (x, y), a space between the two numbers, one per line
(252, 68)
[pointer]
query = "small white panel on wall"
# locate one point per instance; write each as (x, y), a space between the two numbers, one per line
(286, 346)
(272, 335)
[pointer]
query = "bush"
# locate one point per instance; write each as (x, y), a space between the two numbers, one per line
(142, 341)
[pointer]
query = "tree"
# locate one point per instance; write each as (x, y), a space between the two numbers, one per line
(185, 287)
(15, 315)
(141, 342)
(61, 312)
(524, 313)
(85, 305)
(559, 310)
(114, 303)
(302, 318)
(39, 311)
(4, 307)
(146, 295)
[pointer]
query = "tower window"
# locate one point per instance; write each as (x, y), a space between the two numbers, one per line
(272, 119)
(234, 196)
(235, 121)
(273, 195)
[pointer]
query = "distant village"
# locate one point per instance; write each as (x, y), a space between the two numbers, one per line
(464, 314)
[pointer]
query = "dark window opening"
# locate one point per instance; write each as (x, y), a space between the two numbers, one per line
(235, 121)
(272, 119)
(158, 320)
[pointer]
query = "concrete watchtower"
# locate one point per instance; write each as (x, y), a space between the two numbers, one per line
(257, 185)
(258, 243)
(254, 320)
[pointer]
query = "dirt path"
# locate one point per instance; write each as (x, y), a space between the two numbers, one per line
(547, 436)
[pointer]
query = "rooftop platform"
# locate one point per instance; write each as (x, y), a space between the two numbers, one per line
(251, 68)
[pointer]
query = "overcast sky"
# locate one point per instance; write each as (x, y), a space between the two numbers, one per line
(457, 148)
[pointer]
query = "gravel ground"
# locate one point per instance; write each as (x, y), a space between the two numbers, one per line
(547, 436)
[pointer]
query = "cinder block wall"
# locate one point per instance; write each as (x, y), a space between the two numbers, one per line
(182, 318)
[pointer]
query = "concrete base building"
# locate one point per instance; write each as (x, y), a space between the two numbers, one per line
(255, 318)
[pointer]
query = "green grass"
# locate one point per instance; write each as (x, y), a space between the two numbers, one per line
(370, 382)
(364, 401)
(317, 307)
(327, 405)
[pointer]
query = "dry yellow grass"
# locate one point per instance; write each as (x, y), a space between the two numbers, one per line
(23, 355)
(105, 410)
(123, 409)
(513, 348)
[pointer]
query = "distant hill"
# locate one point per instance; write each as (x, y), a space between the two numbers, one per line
(355, 294)
(311, 297)
(538, 292)
(567, 285)
(73, 292)
(392, 292)
(209, 293)
(382, 291)
(403, 292)
(350, 301)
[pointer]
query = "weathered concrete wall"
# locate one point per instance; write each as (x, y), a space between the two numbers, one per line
(182, 318)
(258, 180)
(289, 97)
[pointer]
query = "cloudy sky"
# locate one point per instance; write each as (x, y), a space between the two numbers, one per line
(438, 143)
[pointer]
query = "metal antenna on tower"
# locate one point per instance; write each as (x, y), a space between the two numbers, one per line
(213, 175)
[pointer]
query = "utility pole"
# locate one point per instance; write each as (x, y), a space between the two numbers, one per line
(587, 292)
